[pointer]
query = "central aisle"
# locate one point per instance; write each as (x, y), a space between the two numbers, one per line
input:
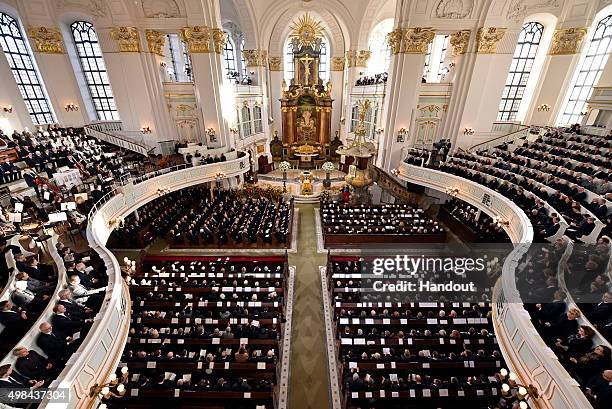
(309, 385)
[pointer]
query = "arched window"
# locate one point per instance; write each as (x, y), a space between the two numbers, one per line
(434, 69)
(323, 62)
(24, 70)
(94, 70)
(257, 120)
(378, 45)
(229, 57)
(590, 67)
(520, 68)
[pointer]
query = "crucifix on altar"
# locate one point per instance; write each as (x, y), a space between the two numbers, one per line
(306, 102)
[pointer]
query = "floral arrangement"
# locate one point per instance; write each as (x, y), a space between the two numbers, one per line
(284, 166)
(328, 166)
(254, 191)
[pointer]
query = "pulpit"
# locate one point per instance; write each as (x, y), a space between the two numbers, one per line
(306, 103)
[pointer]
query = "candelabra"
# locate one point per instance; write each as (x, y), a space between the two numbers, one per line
(7, 108)
(145, 130)
(452, 191)
(468, 131)
(401, 135)
(499, 222)
(114, 388)
(71, 107)
(395, 172)
(162, 191)
(116, 222)
(212, 135)
(513, 392)
(544, 107)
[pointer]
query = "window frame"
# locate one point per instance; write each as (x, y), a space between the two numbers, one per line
(93, 69)
(23, 66)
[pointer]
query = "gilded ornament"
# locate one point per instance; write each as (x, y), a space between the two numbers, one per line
(306, 30)
(127, 38)
(337, 64)
(567, 41)
(251, 57)
(275, 63)
(197, 39)
(263, 57)
(362, 57)
(350, 58)
(155, 40)
(219, 39)
(47, 40)
(460, 41)
(488, 37)
(417, 39)
(394, 39)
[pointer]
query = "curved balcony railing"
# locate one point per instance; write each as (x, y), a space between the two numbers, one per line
(100, 352)
(522, 347)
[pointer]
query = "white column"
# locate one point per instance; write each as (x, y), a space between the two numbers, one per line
(275, 89)
(337, 81)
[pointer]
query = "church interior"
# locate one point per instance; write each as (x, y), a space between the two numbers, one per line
(305, 204)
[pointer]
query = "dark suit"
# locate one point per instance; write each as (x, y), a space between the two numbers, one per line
(33, 366)
(53, 345)
(66, 325)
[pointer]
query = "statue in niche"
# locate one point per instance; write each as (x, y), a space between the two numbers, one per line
(306, 125)
(454, 8)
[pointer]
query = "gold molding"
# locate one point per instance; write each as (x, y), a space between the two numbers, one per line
(567, 41)
(219, 39)
(488, 37)
(416, 39)
(127, 38)
(350, 58)
(47, 40)
(252, 57)
(337, 63)
(362, 57)
(394, 39)
(275, 63)
(155, 40)
(460, 41)
(197, 39)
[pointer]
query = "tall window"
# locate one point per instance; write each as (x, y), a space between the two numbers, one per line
(24, 70)
(589, 70)
(94, 70)
(257, 120)
(178, 67)
(427, 65)
(229, 57)
(242, 60)
(187, 62)
(245, 117)
(354, 118)
(378, 45)
(520, 68)
(289, 70)
(441, 69)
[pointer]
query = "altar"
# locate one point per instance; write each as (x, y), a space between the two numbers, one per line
(306, 103)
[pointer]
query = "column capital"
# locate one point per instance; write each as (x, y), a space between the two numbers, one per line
(567, 41)
(350, 58)
(155, 40)
(416, 39)
(337, 63)
(127, 38)
(197, 39)
(362, 57)
(255, 58)
(394, 39)
(219, 39)
(47, 39)
(488, 37)
(275, 63)
(459, 41)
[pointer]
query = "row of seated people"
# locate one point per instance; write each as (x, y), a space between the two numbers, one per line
(35, 362)
(45, 151)
(371, 80)
(483, 226)
(405, 350)
(199, 216)
(558, 323)
(573, 136)
(209, 328)
(527, 195)
(394, 219)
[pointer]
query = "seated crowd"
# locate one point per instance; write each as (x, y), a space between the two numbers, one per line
(69, 312)
(484, 228)
(199, 216)
(209, 328)
(371, 80)
(431, 353)
(393, 219)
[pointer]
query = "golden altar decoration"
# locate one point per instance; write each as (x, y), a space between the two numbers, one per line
(306, 102)
(306, 180)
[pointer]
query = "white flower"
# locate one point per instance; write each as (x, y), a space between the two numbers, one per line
(284, 166)
(328, 166)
